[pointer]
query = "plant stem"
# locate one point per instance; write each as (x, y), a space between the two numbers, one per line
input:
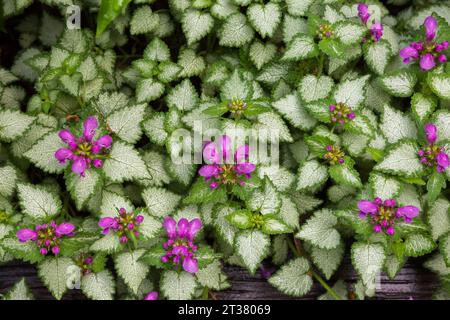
(321, 60)
(205, 294)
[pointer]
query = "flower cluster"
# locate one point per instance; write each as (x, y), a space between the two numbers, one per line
(83, 151)
(47, 236)
(341, 113)
(237, 107)
(325, 31)
(220, 170)
(433, 155)
(334, 155)
(427, 51)
(384, 214)
(376, 30)
(84, 262)
(180, 247)
(126, 225)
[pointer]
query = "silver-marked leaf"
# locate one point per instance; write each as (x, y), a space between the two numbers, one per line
(293, 278)
(320, 231)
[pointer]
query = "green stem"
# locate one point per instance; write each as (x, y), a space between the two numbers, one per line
(321, 60)
(205, 294)
(330, 290)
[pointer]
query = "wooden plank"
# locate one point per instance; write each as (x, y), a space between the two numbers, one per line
(413, 281)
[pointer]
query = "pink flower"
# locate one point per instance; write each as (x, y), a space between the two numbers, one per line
(65, 228)
(408, 212)
(377, 31)
(90, 126)
(26, 234)
(433, 155)
(125, 225)
(63, 154)
(407, 53)
(151, 296)
(442, 161)
(431, 133)
(427, 62)
(363, 12)
(430, 25)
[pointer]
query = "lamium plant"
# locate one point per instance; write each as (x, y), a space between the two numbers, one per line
(147, 149)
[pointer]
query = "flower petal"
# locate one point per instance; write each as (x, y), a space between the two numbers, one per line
(427, 62)
(79, 165)
(151, 296)
(26, 234)
(210, 153)
(183, 227)
(65, 228)
(244, 168)
(171, 227)
(431, 132)
(367, 206)
(408, 212)
(430, 25)
(208, 170)
(63, 154)
(194, 227)
(104, 142)
(190, 265)
(442, 160)
(107, 222)
(90, 125)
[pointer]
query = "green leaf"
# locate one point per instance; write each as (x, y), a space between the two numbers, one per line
(235, 31)
(38, 203)
(27, 251)
(107, 244)
(150, 226)
(293, 278)
(298, 7)
(273, 224)
(327, 260)
(130, 269)
(126, 123)
(264, 18)
(178, 286)
(124, 164)
(98, 286)
(109, 10)
(191, 63)
(349, 32)
(401, 159)
(301, 47)
(320, 231)
(241, 219)
(441, 119)
(261, 53)
(314, 88)
(265, 201)
(399, 83)
(444, 248)
(153, 256)
(418, 245)
(436, 183)
(19, 291)
(143, 21)
(82, 188)
(383, 186)
(157, 50)
(148, 90)
(333, 48)
(196, 24)
(351, 92)
(201, 193)
(8, 180)
(422, 106)
(184, 97)
(311, 175)
(377, 55)
(53, 272)
(368, 260)
(440, 84)
(345, 174)
(397, 126)
(154, 128)
(13, 124)
(236, 87)
(439, 218)
(160, 202)
(252, 247)
(212, 277)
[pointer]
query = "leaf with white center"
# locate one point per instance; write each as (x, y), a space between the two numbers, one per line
(157, 50)
(439, 218)
(383, 186)
(124, 164)
(345, 174)
(150, 226)
(98, 286)
(178, 285)
(360, 125)
(437, 264)
(265, 201)
(392, 265)
(337, 192)
(281, 178)
(126, 123)
(38, 203)
(444, 248)
(311, 175)
(26, 251)
(273, 224)
(377, 55)
(400, 83)
(148, 90)
(196, 24)
(440, 84)
(53, 272)
(320, 110)
(252, 246)
(327, 260)
(351, 92)
(20, 291)
(236, 31)
(396, 126)
(112, 202)
(191, 64)
(355, 143)
(299, 48)
(422, 106)
(241, 219)
(29, 139)
(184, 97)
(143, 21)
(156, 162)
(222, 9)
(264, 18)
(418, 245)
(293, 278)
(131, 270)
(107, 244)
(401, 159)
(274, 72)
(320, 231)
(368, 260)
(13, 124)
(160, 202)
(212, 277)
(442, 121)
(270, 127)
(314, 88)
(182, 173)
(349, 32)
(261, 53)
(298, 7)
(82, 188)
(154, 128)
(109, 102)
(236, 87)
(8, 180)
(224, 229)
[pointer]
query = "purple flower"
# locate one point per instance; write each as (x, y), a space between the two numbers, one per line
(433, 155)
(384, 214)
(427, 52)
(363, 12)
(125, 225)
(180, 247)
(377, 31)
(431, 133)
(47, 236)
(84, 152)
(340, 113)
(442, 161)
(220, 168)
(151, 296)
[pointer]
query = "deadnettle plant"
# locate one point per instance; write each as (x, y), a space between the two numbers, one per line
(84, 152)
(433, 155)
(428, 51)
(125, 226)
(376, 30)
